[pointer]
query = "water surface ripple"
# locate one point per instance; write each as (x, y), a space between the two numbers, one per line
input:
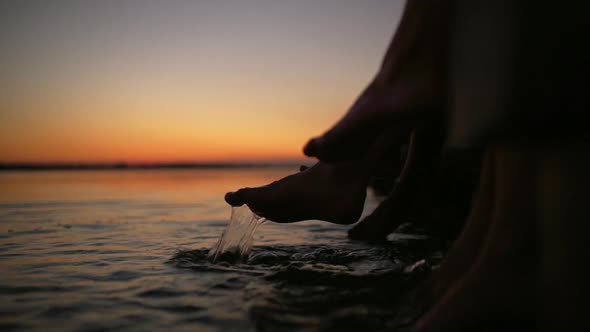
(127, 251)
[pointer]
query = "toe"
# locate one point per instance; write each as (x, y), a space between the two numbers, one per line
(235, 198)
(312, 147)
(255, 198)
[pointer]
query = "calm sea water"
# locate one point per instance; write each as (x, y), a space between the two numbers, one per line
(125, 250)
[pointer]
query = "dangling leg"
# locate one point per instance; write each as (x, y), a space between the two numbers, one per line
(498, 283)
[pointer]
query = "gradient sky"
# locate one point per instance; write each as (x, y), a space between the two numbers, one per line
(201, 80)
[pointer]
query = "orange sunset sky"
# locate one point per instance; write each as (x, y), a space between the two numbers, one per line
(163, 81)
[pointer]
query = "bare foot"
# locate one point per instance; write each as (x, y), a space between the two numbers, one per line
(381, 222)
(390, 213)
(334, 193)
(406, 91)
(373, 112)
(423, 151)
(329, 192)
(498, 285)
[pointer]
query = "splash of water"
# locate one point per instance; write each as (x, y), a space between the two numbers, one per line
(236, 240)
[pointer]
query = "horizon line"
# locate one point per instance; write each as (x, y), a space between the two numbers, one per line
(12, 166)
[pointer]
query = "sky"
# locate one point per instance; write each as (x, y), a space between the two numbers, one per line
(179, 81)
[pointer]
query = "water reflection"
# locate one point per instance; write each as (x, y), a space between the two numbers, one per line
(90, 250)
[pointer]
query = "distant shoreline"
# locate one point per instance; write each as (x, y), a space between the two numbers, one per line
(126, 166)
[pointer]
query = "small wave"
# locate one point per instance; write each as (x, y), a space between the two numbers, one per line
(323, 287)
(124, 275)
(10, 290)
(12, 233)
(161, 292)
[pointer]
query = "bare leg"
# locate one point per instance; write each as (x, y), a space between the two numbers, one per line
(466, 247)
(498, 283)
(562, 208)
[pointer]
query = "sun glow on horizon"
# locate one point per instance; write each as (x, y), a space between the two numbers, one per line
(182, 81)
